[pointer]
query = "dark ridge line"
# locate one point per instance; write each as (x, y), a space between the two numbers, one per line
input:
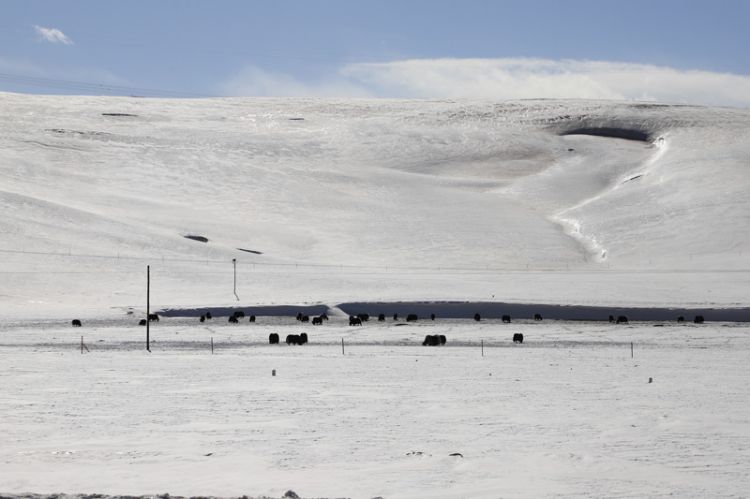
(612, 132)
(487, 310)
(251, 251)
(121, 115)
(202, 239)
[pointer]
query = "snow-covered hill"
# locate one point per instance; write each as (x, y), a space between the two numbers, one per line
(573, 202)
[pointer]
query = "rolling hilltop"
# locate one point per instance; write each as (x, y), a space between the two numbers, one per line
(326, 201)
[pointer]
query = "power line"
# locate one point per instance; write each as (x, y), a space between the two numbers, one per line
(383, 269)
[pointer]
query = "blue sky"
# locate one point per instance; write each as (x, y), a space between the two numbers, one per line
(682, 51)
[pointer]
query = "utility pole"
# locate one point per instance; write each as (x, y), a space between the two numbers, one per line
(148, 307)
(234, 262)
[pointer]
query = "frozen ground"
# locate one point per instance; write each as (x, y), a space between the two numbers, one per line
(567, 414)
(539, 201)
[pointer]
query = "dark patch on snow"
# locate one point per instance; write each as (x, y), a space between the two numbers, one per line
(251, 251)
(296, 119)
(121, 115)
(612, 132)
(202, 239)
(495, 310)
(64, 131)
(257, 310)
(633, 178)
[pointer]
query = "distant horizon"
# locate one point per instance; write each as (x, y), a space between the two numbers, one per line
(666, 51)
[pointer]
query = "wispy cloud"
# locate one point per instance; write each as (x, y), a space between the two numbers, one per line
(506, 79)
(52, 35)
(254, 81)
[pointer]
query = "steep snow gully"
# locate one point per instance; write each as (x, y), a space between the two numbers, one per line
(572, 226)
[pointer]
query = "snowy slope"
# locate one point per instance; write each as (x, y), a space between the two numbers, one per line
(369, 200)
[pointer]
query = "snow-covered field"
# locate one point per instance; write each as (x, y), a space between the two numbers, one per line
(330, 202)
(568, 413)
(369, 200)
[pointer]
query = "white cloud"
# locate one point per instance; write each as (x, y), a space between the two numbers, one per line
(254, 81)
(505, 79)
(52, 35)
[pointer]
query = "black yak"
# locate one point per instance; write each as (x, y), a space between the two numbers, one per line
(153, 317)
(239, 314)
(203, 318)
(75, 323)
(506, 319)
(431, 340)
(292, 339)
(317, 321)
(442, 339)
(517, 338)
(273, 338)
(252, 318)
(364, 317)
(611, 318)
(305, 318)
(208, 316)
(233, 319)
(381, 317)
(411, 317)
(142, 322)
(698, 319)
(537, 317)
(395, 317)
(355, 321)
(477, 317)
(680, 319)
(303, 338)
(621, 319)
(432, 317)
(324, 317)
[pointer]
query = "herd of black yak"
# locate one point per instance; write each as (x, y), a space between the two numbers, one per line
(357, 320)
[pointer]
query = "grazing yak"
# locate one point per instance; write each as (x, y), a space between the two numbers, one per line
(296, 339)
(364, 317)
(411, 317)
(506, 319)
(208, 316)
(395, 317)
(203, 318)
(432, 317)
(252, 318)
(273, 338)
(434, 340)
(299, 316)
(233, 319)
(621, 319)
(355, 321)
(517, 338)
(381, 317)
(477, 317)
(698, 319)
(537, 317)
(317, 321)
(153, 317)
(680, 319)
(324, 317)
(75, 323)
(611, 318)
(142, 322)
(239, 314)
(305, 318)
